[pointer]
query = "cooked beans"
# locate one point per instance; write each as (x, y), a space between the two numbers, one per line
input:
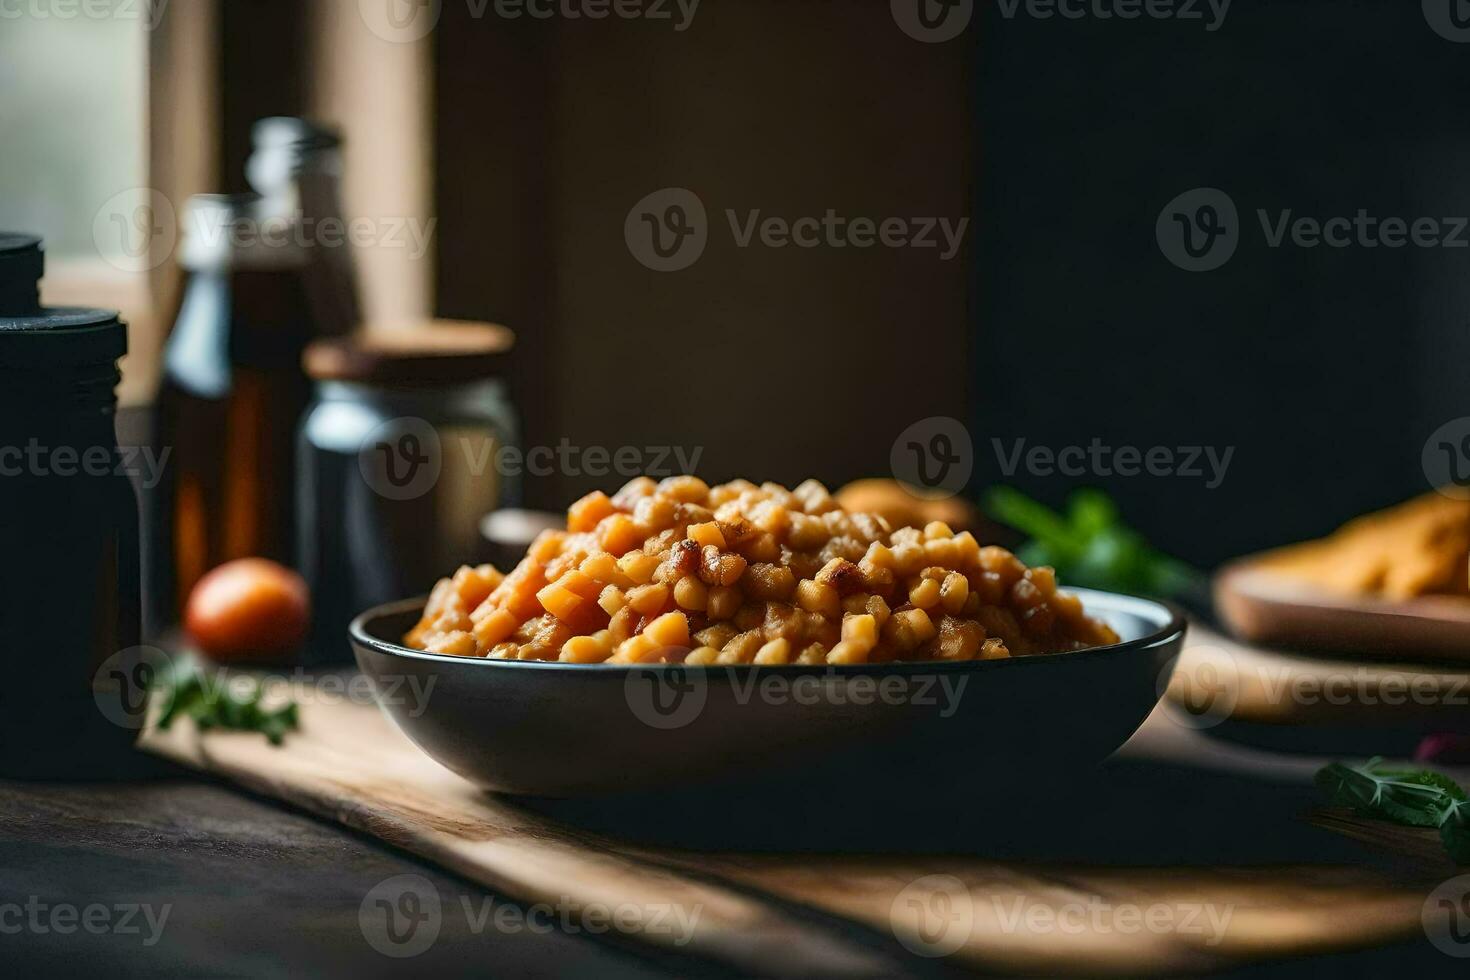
(745, 574)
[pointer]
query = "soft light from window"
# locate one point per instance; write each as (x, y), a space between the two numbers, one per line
(73, 118)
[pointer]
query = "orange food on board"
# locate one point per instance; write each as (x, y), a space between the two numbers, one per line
(1419, 547)
(249, 609)
(902, 507)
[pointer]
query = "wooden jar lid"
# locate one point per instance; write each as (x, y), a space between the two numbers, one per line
(425, 352)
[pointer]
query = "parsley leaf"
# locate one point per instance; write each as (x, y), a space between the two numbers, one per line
(1089, 545)
(1414, 797)
(1455, 832)
(220, 701)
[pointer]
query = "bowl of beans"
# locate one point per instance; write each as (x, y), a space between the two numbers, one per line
(676, 632)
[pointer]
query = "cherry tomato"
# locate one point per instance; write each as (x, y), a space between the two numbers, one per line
(248, 609)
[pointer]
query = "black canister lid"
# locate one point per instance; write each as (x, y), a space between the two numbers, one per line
(62, 336)
(35, 336)
(21, 264)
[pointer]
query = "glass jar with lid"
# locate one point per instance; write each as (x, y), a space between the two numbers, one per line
(401, 455)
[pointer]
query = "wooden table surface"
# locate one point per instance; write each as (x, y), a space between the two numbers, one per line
(258, 889)
(253, 889)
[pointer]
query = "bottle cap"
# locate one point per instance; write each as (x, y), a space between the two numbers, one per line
(284, 146)
(279, 130)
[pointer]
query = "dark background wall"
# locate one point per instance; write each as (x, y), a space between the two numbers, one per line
(781, 364)
(1325, 369)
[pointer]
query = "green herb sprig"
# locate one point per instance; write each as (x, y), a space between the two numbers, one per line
(1090, 546)
(1414, 797)
(221, 702)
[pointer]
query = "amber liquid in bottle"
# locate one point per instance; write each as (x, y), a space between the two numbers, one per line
(232, 394)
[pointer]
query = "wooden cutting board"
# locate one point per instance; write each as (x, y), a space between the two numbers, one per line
(1261, 605)
(1217, 676)
(866, 913)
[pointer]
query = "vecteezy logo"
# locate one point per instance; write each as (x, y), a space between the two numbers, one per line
(121, 684)
(135, 230)
(409, 450)
(934, 457)
(1446, 917)
(666, 697)
(400, 21)
(1201, 686)
(1198, 230)
(932, 21)
(1446, 459)
(933, 915)
(401, 458)
(667, 230)
(401, 916)
(1450, 19)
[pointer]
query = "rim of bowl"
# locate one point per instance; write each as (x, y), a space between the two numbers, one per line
(1173, 627)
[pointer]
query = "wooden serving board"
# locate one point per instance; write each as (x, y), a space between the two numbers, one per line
(867, 913)
(1283, 688)
(1261, 605)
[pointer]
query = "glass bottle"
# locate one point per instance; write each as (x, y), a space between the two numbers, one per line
(227, 407)
(296, 168)
(266, 275)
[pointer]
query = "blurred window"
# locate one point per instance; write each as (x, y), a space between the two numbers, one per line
(73, 114)
(74, 126)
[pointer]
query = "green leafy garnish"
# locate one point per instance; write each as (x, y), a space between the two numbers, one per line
(1090, 545)
(1414, 797)
(218, 701)
(1455, 832)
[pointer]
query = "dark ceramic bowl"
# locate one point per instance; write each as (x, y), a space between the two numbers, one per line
(563, 730)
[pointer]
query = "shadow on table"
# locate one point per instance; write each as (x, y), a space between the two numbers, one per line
(1125, 812)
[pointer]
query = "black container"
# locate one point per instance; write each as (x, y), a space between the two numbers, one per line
(69, 599)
